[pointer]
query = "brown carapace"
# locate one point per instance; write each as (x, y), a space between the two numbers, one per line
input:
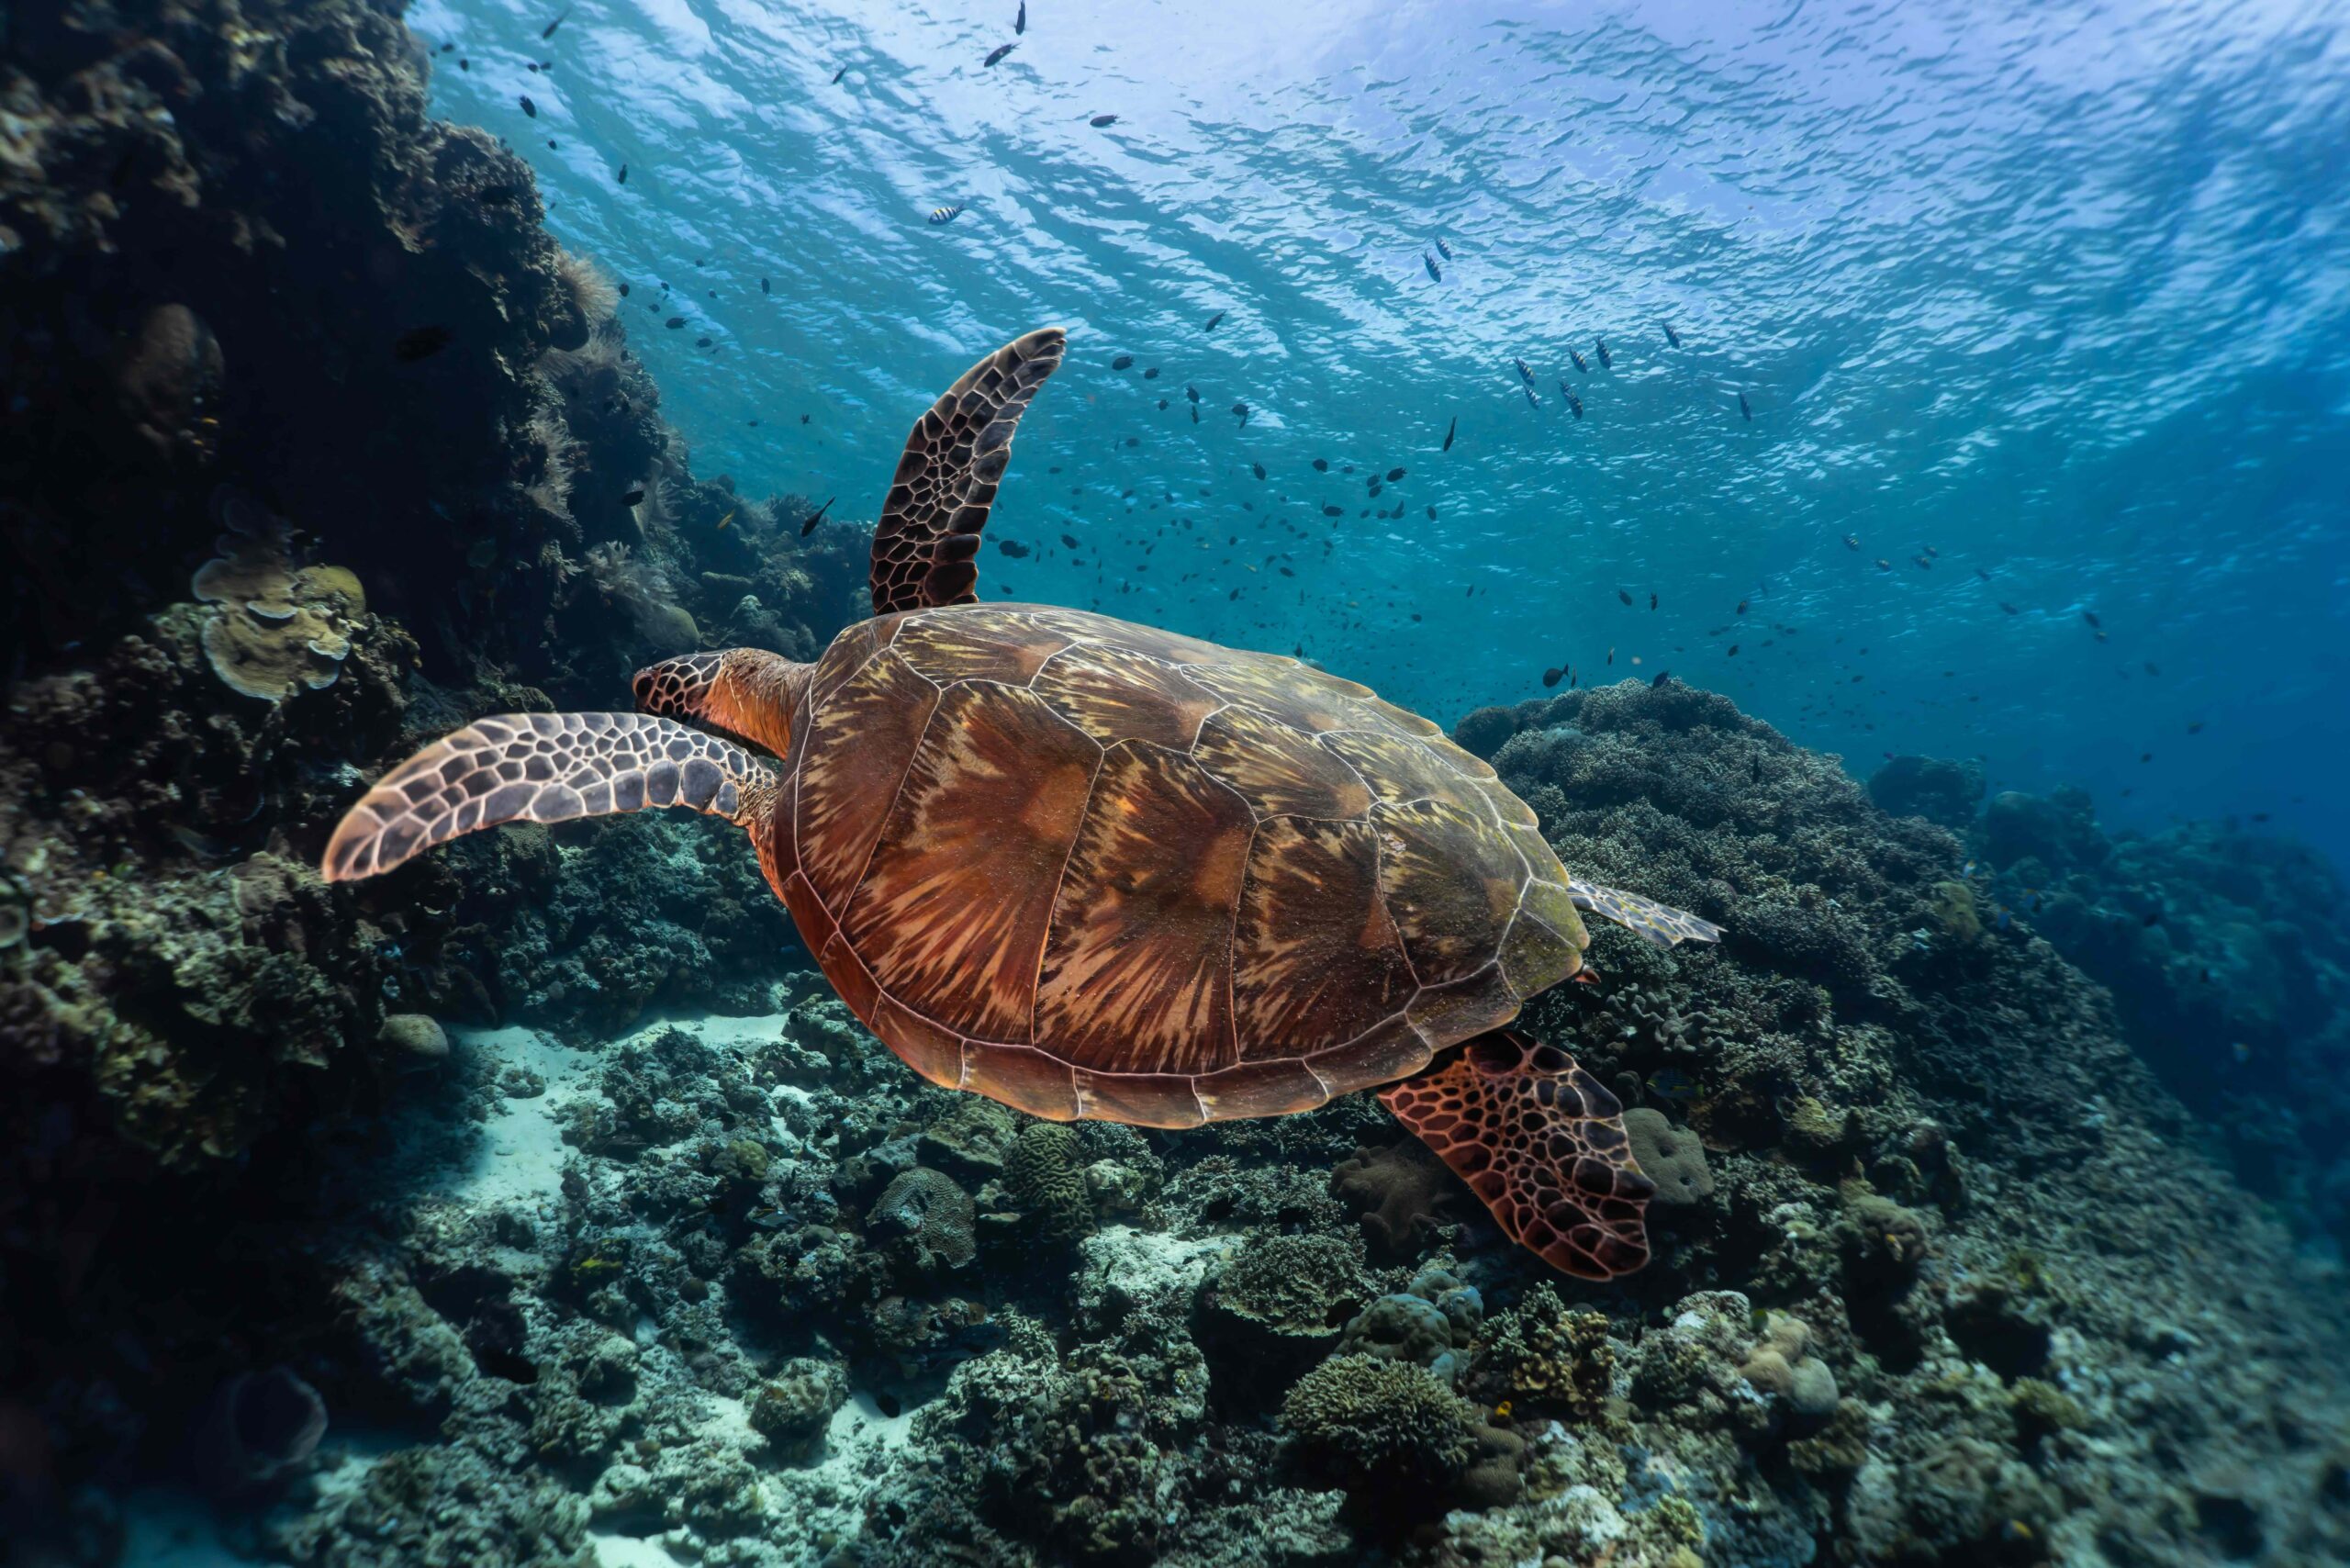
(1096, 869)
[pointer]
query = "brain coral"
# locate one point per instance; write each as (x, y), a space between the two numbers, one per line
(276, 629)
(1046, 1178)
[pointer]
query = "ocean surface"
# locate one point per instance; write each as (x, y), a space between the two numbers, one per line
(2008, 417)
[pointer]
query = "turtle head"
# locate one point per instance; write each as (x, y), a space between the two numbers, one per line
(748, 693)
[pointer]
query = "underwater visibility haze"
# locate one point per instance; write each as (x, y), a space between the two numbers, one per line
(1613, 842)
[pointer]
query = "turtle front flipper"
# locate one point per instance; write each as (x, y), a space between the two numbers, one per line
(925, 545)
(1541, 1143)
(542, 767)
(1660, 924)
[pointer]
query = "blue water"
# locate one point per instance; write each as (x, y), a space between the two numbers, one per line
(2055, 298)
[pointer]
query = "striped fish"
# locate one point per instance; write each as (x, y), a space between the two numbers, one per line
(943, 214)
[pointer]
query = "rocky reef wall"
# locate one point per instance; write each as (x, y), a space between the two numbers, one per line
(315, 444)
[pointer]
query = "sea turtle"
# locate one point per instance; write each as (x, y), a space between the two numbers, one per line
(1091, 868)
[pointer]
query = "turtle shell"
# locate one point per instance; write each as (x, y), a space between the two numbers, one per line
(1095, 870)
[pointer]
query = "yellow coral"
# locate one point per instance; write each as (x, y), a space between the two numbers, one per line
(276, 628)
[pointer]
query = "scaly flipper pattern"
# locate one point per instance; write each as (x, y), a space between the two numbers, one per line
(1540, 1140)
(924, 545)
(1661, 925)
(542, 768)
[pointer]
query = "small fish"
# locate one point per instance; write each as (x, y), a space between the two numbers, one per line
(1103, 122)
(1741, 607)
(1662, 677)
(1606, 359)
(1211, 322)
(1019, 23)
(1257, 469)
(1925, 563)
(1070, 540)
(420, 344)
(1672, 1083)
(529, 107)
(1580, 364)
(2010, 608)
(1443, 249)
(995, 56)
(1552, 677)
(2195, 726)
(1123, 361)
(1449, 431)
(1851, 541)
(1321, 465)
(674, 322)
(1241, 410)
(1744, 409)
(1733, 651)
(1393, 474)
(1883, 565)
(1431, 511)
(1523, 374)
(702, 343)
(1626, 595)
(1328, 511)
(1670, 335)
(816, 517)
(1652, 601)
(623, 179)
(944, 214)
(1532, 400)
(1574, 403)
(1011, 547)
(2090, 616)
(1151, 374)
(724, 521)
(838, 74)
(1192, 393)
(2152, 669)
(548, 31)
(630, 497)
(1430, 262)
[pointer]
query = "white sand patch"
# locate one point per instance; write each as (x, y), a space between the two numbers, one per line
(519, 1159)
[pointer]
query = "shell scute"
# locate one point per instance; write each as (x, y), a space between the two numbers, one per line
(1120, 695)
(859, 741)
(1280, 771)
(1317, 960)
(1136, 973)
(954, 905)
(1451, 883)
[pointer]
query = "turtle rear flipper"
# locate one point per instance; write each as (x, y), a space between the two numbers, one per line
(1661, 925)
(542, 768)
(1541, 1143)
